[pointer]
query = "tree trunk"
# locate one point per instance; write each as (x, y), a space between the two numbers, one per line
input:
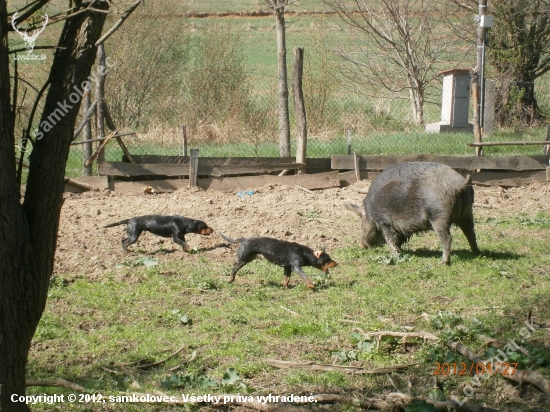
(517, 102)
(530, 110)
(100, 98)
(416, 96)
(28, 232)
(16, 268)
(284, 123)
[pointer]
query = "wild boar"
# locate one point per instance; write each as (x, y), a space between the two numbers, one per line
(413, 197)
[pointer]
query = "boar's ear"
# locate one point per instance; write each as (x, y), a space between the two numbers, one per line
(358, 210)
(318, 253)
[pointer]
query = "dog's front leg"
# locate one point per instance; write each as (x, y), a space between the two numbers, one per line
(180, 240)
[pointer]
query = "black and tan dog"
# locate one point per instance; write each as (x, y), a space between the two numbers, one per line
(291, 256)
(175, 227)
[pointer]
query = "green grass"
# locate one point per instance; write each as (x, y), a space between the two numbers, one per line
(93, 328)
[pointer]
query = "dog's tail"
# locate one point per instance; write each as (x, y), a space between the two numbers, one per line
(122, 222)
(228, 239)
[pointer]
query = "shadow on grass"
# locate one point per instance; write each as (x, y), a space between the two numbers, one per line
(164, 251)
(466, 254)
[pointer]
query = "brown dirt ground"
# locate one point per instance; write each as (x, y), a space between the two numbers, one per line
(315, 219)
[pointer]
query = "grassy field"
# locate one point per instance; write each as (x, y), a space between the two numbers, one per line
(97, 330)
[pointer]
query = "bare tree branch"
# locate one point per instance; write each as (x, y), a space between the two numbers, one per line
(124, 16)
(396, 48)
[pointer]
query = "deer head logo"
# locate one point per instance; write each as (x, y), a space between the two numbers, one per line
(29, 40)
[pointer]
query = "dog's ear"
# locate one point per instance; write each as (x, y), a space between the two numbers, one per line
(318, 253)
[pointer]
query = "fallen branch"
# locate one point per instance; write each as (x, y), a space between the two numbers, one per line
(111, 371)
(191, 359)
(334, 368)
(160, 362)
(405, 335)
(81, 185)
(387, 402)
(402, 400)
(289, 311)
(483, 205)
(518, 376)
(228, 399)
(356, 322)
(59, 383)
(271, 407)
(304, 189)
(487, 340)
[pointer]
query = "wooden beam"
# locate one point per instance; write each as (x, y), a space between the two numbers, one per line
(508, 179)
(517, 163)
(82, 185)
(356, 166)
(99, 150)
(90, 182)
(100, 139)
(211, 160)
(483, 178)
(124, 149)
(193, 167)
(168, 169)
(229, 184)
(507, 144)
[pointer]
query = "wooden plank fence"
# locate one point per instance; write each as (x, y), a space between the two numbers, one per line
(182, 169)
(507, 171)
(468, 163)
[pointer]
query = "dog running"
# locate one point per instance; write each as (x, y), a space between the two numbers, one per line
(175, 227)
(291, 256)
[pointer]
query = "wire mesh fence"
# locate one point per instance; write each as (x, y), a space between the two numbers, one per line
(340, 123)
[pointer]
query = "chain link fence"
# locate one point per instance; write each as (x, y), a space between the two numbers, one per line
(338, 123)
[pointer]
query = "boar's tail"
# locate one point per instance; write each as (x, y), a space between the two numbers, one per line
(122, 222)
(467, 186)
(228, 239)
(467, 182)
(354, 208)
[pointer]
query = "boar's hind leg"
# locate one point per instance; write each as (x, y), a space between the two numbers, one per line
(444, 234)
(468, 230)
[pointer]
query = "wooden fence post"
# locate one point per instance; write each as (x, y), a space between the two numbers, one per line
(184, 129)
(546, 149)
(475, 97)
(301, 122)
(100, 96)
(88, 148)
(193, 167)
(349, 142)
